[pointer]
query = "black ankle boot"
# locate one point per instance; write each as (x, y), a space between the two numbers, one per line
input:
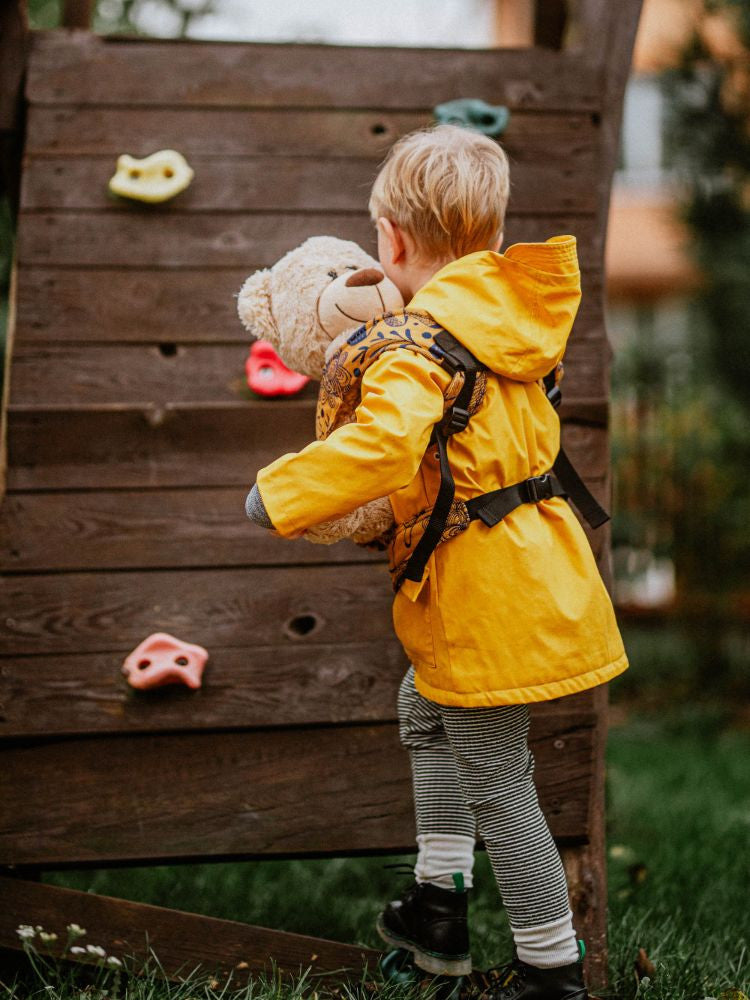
(519, 981)
(431, 922)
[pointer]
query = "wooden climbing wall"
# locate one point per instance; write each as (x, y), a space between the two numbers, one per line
(132, 442)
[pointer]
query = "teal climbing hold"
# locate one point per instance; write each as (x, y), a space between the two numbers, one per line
(474, 113)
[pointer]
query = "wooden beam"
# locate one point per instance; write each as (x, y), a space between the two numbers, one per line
(263, 687)
(550, 23)
(212, 444)
(14, 50)
(64, 305)
(328, 133)
(76, 13)
(181, 941)
(295, 184)
(324, 791)
(164, 239)
(94, 70)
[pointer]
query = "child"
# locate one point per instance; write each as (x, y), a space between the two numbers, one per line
(503, 615)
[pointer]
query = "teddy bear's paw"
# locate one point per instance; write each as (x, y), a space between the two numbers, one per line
(329, 532)
(376, 520)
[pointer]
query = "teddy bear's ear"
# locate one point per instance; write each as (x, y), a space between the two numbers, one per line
(254, 306)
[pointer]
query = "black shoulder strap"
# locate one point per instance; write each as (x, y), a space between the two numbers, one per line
(455, 357)
(565, 471)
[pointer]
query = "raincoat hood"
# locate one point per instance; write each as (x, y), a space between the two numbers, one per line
(514, 311)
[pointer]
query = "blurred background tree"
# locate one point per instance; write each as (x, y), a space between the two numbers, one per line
(681, 382)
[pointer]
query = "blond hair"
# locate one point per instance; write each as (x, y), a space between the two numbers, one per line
(447, 187)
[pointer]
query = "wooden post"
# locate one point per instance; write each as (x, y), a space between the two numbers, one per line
(550, 22)
(14, 47)
(77, 13)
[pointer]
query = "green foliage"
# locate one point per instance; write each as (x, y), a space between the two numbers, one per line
(709, 137)
(112, 17)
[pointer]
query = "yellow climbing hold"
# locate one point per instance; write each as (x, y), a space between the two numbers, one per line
(155, 178)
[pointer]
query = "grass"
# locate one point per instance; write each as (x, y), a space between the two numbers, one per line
(678, 833)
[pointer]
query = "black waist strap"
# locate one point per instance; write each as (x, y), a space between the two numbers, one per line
(493, 507)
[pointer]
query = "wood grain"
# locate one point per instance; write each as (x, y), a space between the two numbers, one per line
(62, 305)
(149, 529)
(292, 684)
(210, 444)
(129, 931)
(179, 445)
(148, 236)
(258, 687)
(158, 529)
(72, 375)
(83, 69)
(86, 130)
(240, 608)
(280, 183)
(243, 794)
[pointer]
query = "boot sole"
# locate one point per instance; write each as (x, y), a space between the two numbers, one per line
(434, 962)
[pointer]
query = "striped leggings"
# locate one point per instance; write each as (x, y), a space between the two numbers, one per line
(473, 770)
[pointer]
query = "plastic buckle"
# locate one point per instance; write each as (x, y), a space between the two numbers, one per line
(456, 420)
(537, 488)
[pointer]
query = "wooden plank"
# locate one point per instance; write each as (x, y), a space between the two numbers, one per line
(244, 794)
(181, 941)
(239, 608)
(71, 375)
(192, 445)
(76, 13)
(242, 184)
(239, 794)
(95, 131)
(85, 69)
(200, 445)
(586, 865)
(142, 529)
(296, 684)
(149, 237)
(66, 305)
(88, 374)
(258, 687)
(153, 529)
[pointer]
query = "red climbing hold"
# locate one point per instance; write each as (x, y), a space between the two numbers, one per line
(164, 659)
(268, 375)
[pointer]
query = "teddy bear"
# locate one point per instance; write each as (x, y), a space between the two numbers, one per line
(306, 305)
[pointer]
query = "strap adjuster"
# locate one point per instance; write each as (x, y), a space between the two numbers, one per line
(455, 420)
(537, 488)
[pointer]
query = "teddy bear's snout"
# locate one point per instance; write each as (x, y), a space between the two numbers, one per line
(365, 276)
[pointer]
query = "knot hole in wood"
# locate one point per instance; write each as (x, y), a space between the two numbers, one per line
(302, 626)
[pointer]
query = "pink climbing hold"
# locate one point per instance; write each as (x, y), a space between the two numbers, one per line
(165, 659)
(268, 375)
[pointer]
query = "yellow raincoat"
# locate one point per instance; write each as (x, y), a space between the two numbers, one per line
(508, 614)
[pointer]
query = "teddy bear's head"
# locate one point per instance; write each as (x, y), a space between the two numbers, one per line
(311, 296)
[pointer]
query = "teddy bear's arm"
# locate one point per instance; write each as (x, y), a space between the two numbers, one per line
(402, 398)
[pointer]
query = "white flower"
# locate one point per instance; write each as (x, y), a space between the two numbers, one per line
(75, 930)
(47, 936)
(112, 960)
(26, 931)
(95, 949)
(77, 950)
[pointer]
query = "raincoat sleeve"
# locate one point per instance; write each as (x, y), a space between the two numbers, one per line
(402, 397)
